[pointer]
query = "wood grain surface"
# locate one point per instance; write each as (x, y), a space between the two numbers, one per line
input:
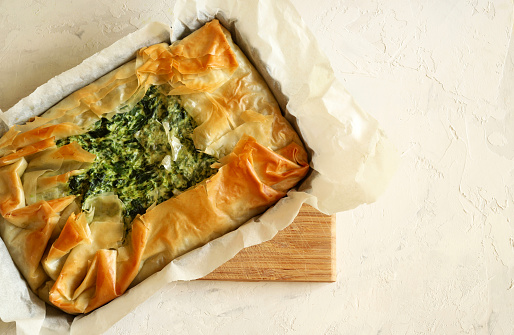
(304, 251)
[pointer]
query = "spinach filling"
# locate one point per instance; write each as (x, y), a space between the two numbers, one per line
(145, 155)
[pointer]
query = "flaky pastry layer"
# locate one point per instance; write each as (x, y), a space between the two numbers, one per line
(79, 260)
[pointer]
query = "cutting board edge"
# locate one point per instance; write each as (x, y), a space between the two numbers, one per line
(282, 275)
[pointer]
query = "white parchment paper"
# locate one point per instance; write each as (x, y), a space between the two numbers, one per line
(351, 159)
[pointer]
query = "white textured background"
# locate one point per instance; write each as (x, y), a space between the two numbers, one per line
(436, 253)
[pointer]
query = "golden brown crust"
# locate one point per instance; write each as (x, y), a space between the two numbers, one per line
(75, 232)
(11, 190)
(242, 106)
(233, 195)
(51, 181)
(26, 232)
(79, 260)
(26, 151)
(201, 62)
(57, 131)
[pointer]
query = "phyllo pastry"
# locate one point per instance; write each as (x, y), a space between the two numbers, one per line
(162, 155)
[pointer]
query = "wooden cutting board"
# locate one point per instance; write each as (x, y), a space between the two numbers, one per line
(304, 251)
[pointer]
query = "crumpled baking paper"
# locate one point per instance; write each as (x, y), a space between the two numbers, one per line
(352, 161)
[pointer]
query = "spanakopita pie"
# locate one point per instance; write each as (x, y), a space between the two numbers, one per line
(158, 157)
